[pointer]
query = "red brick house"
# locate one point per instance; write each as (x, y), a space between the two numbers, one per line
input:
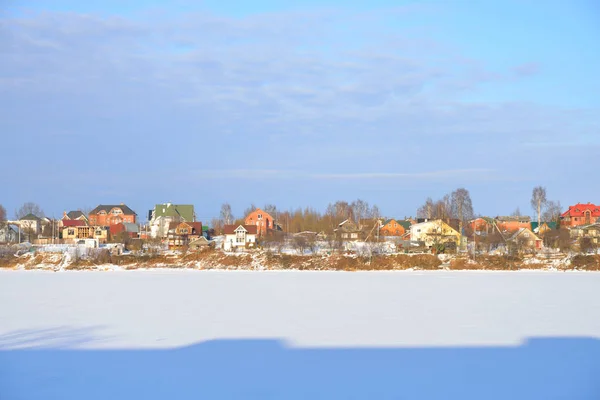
(580, 214)
(262, 220)
(107, 215)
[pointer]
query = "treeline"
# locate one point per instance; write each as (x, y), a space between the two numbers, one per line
(307, 219)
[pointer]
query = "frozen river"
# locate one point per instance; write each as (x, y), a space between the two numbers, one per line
(58, 325)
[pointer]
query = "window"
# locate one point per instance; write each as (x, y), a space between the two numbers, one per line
(71, 232)
(184, 231)
(259, 216)
(240, 236)
(354, 235)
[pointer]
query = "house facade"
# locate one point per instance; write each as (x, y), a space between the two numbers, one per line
(31, 225)
(580, 214)
(432, 232)
(161, 217)
(591, 232)
(9, 233)
(183, 233)
(262, 220)
(348, 230)
(239, 236)
(74, 233)
(392, 227)
(525, 240)
(107, 215)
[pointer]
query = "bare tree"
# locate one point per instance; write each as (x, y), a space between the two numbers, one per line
(359, 209)
(217, 225)
(538, 200)
(249, 209)
(29, 208)
(426, 210)
(226, 215)
(552, 211)
(2, 215)
(517, 212)
(462, 206)
(375, 213)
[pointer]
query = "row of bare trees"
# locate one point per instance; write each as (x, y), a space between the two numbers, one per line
(306, 219)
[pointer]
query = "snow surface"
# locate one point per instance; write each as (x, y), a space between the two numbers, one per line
(395, 334)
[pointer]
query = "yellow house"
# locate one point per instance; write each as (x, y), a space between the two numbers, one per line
(72, 233)
(432, 232)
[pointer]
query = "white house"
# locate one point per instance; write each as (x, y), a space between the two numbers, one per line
(432, 232)
(239, 236)
(164, 214)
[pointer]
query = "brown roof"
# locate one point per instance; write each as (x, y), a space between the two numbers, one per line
(230, 229)
(195, 225)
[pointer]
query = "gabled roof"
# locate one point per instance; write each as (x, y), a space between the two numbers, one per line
(579, 210)
(230, 229)
(30, 217)
(76, 214)
(185, 211)
(107, 207)
(518, 232)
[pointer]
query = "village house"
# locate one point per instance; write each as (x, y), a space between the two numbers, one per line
(392, 227)
(513, 223)
(161, 217)
(71, 234)
(31, 224)
(237, 236)
(106, 215)
(183, 233)
(348, 230)
(524, 240)
(433, 232)
(263, 221)
(9, 233)
(580, 214)
(75, 216)
(591, 232)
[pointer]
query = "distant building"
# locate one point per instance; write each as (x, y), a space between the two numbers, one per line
(9, 233)
(107, 215)
(263, 221)
(237, 236)
(580, 214)
(348, 231)
(183, 233)
(436, 231)
(164, 214)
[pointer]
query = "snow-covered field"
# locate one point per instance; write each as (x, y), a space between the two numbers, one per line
(337, 334)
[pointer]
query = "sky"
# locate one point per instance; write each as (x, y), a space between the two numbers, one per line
(298, 103)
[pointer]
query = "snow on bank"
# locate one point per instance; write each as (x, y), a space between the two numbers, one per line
(167, 308)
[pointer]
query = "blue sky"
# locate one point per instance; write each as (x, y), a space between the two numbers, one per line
(298, 104)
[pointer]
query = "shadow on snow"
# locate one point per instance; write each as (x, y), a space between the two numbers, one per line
(541, 368)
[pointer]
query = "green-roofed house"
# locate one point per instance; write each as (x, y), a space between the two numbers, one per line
(164, 214)
(545, 227)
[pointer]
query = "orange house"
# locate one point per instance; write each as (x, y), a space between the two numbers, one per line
(262, 220)
(391, 227)
(513, 223)
(481, 224)
(107, 215)
(580, 214)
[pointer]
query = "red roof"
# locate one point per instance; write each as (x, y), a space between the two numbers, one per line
(73, 222)
(578, 210)
(230, 229)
